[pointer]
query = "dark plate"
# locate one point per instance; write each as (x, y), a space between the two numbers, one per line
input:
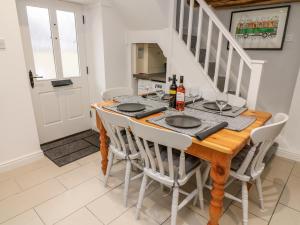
(183, 121)
(131, 107)
(214, 106)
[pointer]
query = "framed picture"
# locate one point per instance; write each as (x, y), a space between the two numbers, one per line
(260, 29)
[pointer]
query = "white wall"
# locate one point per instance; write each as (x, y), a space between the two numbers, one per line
(18, 134)
(289, 141)
(143, 14)
(280, 71)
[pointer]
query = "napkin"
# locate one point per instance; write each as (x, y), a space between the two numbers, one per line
(204, 134)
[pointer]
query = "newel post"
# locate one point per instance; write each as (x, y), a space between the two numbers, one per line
(255, 77)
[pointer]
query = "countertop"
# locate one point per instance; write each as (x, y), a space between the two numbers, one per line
(159, 77)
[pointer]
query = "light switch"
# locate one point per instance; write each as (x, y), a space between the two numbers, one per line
(2, 44)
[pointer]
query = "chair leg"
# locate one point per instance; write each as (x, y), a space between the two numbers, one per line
(141, 196)
(110, 163)
(245, 202)
(127, 181)
(199, 188)
(174, 204)
(260, 193)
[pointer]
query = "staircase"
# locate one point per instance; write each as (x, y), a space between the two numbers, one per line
(215, 50)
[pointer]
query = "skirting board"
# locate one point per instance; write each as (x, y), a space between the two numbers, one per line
(20, 161)
(287, 154)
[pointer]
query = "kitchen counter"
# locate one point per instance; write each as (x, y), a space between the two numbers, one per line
(159, 77)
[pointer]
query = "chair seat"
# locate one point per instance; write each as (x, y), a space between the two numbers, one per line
(191, 162)
(239, 158)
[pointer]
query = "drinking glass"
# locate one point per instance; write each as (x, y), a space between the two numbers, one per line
(194, 93)
(221, 101)
(160, 94)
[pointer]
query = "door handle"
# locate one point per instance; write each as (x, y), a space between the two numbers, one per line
(31, 78)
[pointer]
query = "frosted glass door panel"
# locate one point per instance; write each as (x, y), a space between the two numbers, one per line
(68, 43)
(41, 41)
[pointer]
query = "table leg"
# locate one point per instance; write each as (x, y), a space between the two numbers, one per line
(103, 144)
(220, 168)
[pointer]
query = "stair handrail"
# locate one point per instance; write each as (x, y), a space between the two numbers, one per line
(225, 32)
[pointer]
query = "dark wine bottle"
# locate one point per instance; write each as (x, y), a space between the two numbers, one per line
(172, 93)
(180, 101)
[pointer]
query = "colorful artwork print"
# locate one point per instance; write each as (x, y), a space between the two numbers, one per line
(260, 29)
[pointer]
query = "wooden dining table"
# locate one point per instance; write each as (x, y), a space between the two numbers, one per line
(218, 149)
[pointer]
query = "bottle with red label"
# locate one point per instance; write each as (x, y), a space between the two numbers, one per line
(180, 95)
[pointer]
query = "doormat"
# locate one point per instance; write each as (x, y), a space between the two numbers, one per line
(71, 148)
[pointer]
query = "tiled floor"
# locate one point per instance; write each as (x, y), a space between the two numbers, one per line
(42, 193)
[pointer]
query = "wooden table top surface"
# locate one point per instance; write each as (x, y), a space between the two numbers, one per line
(225, 141)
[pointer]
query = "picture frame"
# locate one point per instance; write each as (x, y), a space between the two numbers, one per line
(260, 28)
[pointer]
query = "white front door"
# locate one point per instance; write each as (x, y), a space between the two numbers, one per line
(54, 51)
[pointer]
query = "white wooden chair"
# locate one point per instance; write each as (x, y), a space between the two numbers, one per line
(167, 164)
(248, 165)
(122, 145)
(110, 93)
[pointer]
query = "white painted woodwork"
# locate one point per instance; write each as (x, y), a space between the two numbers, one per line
(239, 80)
(190, 25)
(255, 77)
(59, 111)
(208, 45)
(218, 57)
(121, 146)
(181, 18)
(223, 35)
(166, 173)
(253, 165)
(199, 30)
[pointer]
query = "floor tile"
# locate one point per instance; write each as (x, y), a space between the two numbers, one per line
(80, 217)
(25, 169)
(70, 201)
(79, 175)
(45, 173)
(158, 205)
(28, 218)
(278, 170)
(90, 158)
(291, 196)
(296, 170)
(129, 218)
(234, 216)
(23, 201)
(233, 189)
(102, 207)
(8, 188)
(188, 217)
(116, 175)
(271, 194)
(286, 216)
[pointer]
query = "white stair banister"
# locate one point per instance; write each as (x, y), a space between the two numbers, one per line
(239, 80)
(181, 17)
(219, 50)
(255, 77)
(208, 45)
(228, 68)
(190, 26)
(199, 30)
